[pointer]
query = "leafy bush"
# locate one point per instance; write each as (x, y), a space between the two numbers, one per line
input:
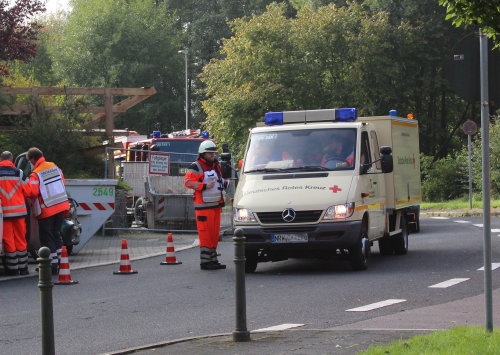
(445, 179)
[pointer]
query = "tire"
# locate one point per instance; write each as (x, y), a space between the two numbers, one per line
(400, 241)
(250, 262)
(360, 252)
(385, 246)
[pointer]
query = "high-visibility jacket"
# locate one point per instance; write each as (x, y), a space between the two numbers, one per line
(13, 189)
(47, 185)
(199, 174)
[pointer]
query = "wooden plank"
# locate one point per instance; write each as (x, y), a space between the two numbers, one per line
(146, 91)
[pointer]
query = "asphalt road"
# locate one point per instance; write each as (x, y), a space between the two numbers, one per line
(107, 312)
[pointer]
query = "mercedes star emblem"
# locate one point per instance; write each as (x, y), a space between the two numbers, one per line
(288, 215)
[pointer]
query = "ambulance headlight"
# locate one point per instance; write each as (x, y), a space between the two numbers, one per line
(243, 215)
(339, 211)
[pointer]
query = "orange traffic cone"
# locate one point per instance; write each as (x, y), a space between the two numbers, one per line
(64, 271)
(125, 267)
(170, 259)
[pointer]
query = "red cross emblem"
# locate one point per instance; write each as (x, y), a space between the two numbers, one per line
(335, 189)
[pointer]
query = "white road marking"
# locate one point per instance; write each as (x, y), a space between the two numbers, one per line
(448, 283)
(441, 217)
(277, 328)
(461, 221)
(478, 225)
(376, 305)
(493, 267)
(495, 231)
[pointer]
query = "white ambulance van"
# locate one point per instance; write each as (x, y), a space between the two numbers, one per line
(325, 183)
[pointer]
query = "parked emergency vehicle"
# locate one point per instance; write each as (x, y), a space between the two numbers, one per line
(300, 195)
(160, 196)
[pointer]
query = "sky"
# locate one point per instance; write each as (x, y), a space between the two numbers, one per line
(55, 5)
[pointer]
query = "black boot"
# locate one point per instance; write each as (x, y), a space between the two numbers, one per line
(212, 265)
(24, 271)
(11, 272)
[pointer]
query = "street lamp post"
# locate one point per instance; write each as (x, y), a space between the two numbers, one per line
(185, 51)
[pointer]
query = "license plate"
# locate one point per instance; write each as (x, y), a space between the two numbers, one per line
(289, 238)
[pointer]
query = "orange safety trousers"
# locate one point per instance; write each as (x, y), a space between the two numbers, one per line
(14, 234)
(208, 225)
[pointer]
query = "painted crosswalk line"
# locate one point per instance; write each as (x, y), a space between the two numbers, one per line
(461, 221)
(493, 267)
(440, 217)
(376, 305)
(448, 283)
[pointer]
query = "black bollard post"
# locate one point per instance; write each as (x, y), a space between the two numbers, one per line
(241, 333)
(45, 285)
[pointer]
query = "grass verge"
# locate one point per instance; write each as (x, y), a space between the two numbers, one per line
(466, 340)
(457, 204)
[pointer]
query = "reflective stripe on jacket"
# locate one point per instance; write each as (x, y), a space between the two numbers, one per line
(195, 179)
(52, 199)
(13, 189)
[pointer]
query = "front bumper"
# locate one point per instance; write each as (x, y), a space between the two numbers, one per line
(321, 238)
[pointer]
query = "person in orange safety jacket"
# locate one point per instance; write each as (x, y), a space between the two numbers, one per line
(47, 186)
(205, 178)
(13, 189)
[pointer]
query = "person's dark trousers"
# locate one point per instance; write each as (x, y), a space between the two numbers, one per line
(50, 236)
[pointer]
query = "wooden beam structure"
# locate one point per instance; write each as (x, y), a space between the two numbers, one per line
(107, 112)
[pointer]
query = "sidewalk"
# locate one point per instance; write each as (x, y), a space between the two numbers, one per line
(104, 250)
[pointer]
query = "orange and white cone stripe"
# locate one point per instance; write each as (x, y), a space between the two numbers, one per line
(64, 277)
(170, 258)
(125, 267)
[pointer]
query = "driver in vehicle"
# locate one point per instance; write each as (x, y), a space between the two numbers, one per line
(339, 153)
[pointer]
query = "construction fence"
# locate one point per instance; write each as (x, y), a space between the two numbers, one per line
(153, 196)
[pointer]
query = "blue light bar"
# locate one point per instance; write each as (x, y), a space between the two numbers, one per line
(346, 114)
(205, 135)
(273, 118)
(156, 134)
(393, 113)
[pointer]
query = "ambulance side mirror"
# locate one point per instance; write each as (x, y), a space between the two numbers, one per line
(386, 159)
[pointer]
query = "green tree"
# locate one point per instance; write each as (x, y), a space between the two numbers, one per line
(123, 43)
(482, 13)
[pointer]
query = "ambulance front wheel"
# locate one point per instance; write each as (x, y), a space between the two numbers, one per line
(360, 252)
(250, 262)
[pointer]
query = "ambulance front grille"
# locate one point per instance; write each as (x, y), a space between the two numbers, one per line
(300, 217)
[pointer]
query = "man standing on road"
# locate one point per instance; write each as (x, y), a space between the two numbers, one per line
(204, 176)
(13, 189)
(47, 185)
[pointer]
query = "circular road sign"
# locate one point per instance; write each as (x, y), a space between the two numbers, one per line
(470, 127)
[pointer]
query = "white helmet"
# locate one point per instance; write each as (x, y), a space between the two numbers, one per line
(207, 147)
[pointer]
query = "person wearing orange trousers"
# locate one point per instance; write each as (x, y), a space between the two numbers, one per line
(13, 189)
(53, 202)
(205, 178)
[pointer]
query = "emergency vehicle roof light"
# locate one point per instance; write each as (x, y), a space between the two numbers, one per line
(205, 135)
(346, 114)
(273, 118)
(393, 113)
(156, 134)
(329, 115)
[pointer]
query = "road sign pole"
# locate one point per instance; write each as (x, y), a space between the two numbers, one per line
(485, 142)
(469, 148)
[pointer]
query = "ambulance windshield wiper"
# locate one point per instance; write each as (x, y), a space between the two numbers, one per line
(267, 170)
(310, 168)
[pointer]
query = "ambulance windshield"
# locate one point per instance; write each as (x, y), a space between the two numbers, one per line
(301, 150)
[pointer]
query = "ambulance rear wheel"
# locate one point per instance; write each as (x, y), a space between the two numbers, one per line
(401, 239)
(250, 262)
(360, 252)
